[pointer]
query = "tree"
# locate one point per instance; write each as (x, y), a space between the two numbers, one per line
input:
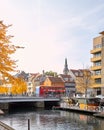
(7, 65)
(19, 86)
(3, 90)
(84, 82)
(51, 73)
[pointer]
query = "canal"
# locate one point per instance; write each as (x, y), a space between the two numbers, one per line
(51, 120)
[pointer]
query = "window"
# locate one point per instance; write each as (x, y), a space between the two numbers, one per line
(98, 81)
(29, 84)
(97, 54)
(98, 72)
(98, 46)
(97, 63)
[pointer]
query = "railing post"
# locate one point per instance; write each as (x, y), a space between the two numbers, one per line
(28, 124)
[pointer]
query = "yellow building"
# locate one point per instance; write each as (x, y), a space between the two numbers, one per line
(98, 63)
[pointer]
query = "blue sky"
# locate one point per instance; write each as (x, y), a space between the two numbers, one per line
(52, 30)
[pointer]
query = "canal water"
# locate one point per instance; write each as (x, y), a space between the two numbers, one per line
(51, 120)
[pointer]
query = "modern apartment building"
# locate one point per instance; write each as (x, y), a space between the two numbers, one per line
(98, 63)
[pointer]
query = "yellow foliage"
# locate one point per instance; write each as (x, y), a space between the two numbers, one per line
(19, 86)
(84, 82)
(7, 65)
(3, 90)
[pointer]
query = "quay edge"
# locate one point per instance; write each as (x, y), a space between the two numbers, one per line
(99, 115)
(77, 110)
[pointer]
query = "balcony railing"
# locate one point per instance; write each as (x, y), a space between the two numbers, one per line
(95, 58)
(96, 76)
(97, 85)
(95, 50)
(96, 67)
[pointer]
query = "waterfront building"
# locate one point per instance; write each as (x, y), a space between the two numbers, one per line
(69, 77)
(68, 80)
(75, 73)
(69, 84)
(23, 75)
(98, 63)
(29, 79)
(53, 81)
(53, 86)
(78, 75)
(35, 80)
(31, 84)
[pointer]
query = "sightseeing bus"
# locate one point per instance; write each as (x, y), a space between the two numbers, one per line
(50, 91)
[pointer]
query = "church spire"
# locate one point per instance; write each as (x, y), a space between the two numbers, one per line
(66, 70)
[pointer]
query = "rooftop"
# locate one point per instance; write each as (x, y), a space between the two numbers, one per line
(102, 33)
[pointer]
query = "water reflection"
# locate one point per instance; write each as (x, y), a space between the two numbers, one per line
(86, 121)
(52, 120)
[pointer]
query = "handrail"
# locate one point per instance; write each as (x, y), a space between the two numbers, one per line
(4, 126)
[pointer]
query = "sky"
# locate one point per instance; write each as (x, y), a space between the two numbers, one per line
(52, 30)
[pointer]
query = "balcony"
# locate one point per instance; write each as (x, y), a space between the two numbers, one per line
(97, 86)
(95, 59)
(95, 50)
(97, 76)
(96, 67)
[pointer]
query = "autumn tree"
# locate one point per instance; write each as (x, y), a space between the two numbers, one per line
(84, 82)
(7, 64)
(3, 90)
(19, 86)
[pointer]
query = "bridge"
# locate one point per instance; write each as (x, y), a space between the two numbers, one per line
(8, 99)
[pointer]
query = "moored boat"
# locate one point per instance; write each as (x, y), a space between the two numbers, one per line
(90, 103)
